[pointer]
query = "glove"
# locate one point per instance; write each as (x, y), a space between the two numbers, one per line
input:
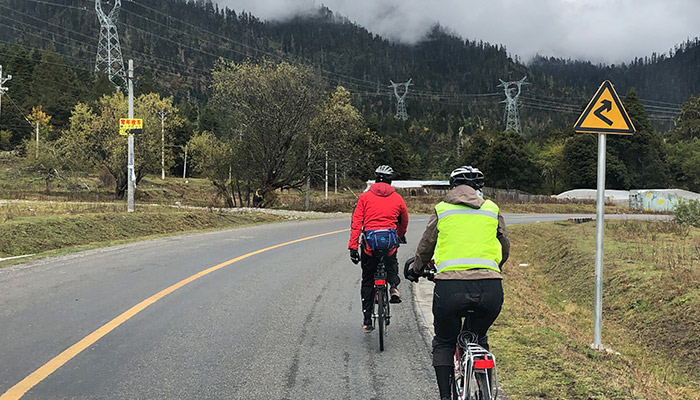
(402, 239)
(354, 256)
(429, 274)
(430, 270)
(412, 276)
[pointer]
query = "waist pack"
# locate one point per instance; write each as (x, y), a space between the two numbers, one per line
(381, 239)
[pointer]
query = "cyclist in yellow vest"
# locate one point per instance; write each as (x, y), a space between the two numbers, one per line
(467, 238)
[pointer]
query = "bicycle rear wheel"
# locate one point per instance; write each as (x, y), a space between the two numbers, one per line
(465, 388)
(486, 384)
(382, 304)
(457, 388)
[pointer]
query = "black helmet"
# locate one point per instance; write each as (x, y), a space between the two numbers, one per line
(466, 175)
(384, 173)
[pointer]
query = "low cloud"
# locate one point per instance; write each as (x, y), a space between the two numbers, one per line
(600, 31)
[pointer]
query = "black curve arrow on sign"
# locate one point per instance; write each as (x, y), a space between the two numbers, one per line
(607, 106)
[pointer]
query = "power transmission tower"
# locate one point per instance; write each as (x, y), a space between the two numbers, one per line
(2, 82)
(109, 54)
(511, 115)
(401, 99)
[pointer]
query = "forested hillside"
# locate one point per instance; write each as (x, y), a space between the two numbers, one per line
(49, 47)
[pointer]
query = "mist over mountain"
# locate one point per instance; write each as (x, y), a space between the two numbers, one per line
(595, 30)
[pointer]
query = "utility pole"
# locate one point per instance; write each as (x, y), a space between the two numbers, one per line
(162, 115)
(130, 163)
(109, 54)
(2, 82)
(184, 169)
(326, 174)
(459, 143)
(308, 177)
(36, 156)
(511, 115)
(401, 99)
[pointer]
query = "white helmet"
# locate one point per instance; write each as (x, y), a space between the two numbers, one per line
(467, 175)
(384, 173)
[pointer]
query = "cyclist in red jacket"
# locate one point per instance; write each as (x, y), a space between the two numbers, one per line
(378, 208)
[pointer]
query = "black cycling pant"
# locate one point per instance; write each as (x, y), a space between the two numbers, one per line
(478, 301)
(369, 268)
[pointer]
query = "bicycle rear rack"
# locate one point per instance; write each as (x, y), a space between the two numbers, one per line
(477, 360)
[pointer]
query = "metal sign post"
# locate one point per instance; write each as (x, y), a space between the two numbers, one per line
(600, 227)
(603, 115)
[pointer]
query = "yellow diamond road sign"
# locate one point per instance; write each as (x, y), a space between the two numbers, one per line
(605, 114)
(130, 126)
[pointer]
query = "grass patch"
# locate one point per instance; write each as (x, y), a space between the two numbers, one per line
(651, 297)
(19, 184)
(345, 200)
(34, 228)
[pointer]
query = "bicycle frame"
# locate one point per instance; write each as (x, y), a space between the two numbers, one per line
(472, 365)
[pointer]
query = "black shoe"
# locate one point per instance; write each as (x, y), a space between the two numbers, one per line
(395, 296)
(367, 326)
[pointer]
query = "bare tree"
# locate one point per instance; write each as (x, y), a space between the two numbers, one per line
(269, 107)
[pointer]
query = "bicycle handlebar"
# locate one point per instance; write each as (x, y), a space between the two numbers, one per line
(429, 271)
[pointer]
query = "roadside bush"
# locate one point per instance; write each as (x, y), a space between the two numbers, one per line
(687, 212)
(5, 140)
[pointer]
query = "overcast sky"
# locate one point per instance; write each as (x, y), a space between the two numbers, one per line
(607, 31)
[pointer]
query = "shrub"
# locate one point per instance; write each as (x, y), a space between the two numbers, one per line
(687, 212)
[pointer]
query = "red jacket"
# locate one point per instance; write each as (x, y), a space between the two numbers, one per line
(378, 208)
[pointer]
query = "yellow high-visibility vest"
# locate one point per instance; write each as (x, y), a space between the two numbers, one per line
(467, 237)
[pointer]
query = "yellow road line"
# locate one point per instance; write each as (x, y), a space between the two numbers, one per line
(47, 369)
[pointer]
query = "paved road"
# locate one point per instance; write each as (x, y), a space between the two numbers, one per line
(283, 324)
(279, 324)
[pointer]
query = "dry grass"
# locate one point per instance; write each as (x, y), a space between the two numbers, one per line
(543, 334)
(22, 185)
(345, 201)
(41, 227)
(19, 184)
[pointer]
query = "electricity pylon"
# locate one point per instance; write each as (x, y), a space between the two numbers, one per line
(401, 99)
(511, 115)
(109, 53)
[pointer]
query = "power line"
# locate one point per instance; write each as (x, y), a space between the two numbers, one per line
(363, 82)
(178, 65)
(80, 60)
(21, 112)
(659, 102)
(363, 86)
(548, 108)
(42, 31)
(340, 78)
(57, 5)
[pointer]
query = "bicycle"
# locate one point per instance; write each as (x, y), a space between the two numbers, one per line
(475, 375)
(474, 370)
(381, 313)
